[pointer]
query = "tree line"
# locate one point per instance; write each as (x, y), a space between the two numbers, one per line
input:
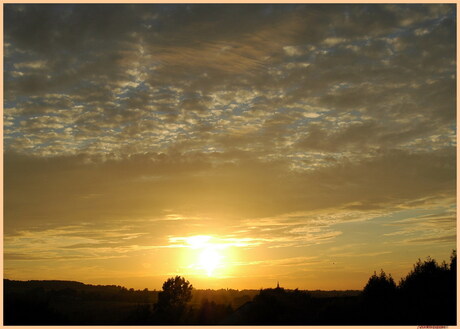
(425, 296)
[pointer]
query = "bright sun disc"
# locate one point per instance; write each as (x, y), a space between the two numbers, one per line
(209, 260)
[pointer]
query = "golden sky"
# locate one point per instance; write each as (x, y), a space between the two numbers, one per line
(235, 145)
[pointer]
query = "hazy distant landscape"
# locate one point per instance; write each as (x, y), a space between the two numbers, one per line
(426, 295)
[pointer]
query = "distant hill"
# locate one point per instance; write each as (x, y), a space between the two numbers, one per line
(47, 285)
(50, 285)
(69, 302)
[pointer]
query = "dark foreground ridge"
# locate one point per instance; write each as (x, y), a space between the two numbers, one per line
(426, 296)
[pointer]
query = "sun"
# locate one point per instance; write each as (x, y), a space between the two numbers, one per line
(209, 260)
(209, 255)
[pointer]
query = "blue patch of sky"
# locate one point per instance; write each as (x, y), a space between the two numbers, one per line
(8, 104)
(343, 86)
(241, 108)
(221, 109)
(142, 86)
(189, 95)
(17, 56)
(259, 99)
(78, 85)
(9, 67)
(306, 120)
(10, 131)
(428, 24)
(163, 91)
(130, 92)
(452, 15)
(12, 134)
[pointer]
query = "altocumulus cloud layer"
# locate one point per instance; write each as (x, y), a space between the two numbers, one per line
(272, 124)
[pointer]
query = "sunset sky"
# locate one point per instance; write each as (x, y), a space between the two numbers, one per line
(234, 145)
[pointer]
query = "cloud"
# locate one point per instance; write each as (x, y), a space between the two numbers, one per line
(56, 189)
(435, 227)
(285, 262)
(436, 239)
(270, 122)
(147, 81)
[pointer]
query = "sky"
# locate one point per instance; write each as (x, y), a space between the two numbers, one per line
(235, 145)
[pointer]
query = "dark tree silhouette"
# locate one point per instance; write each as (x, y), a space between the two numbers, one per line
(172, 301)
(453, 262)
(176, 292)
(430, 291)
(382, 286)
(378, 298)
(426, 280)
(426, 295)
